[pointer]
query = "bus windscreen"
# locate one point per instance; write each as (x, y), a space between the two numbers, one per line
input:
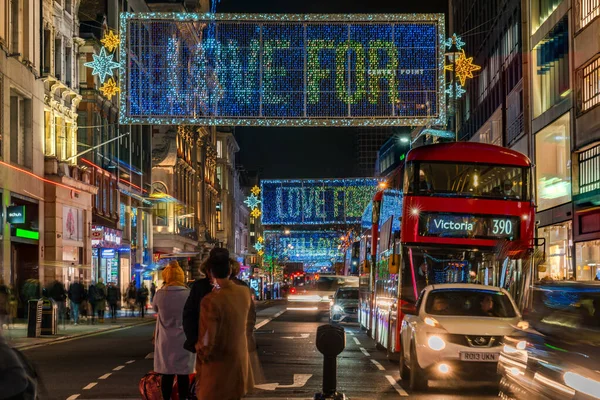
(468, 180)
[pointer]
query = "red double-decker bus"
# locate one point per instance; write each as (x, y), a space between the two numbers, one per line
(467, 217)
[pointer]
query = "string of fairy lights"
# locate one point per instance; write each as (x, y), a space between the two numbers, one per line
(316, 201)
(317, 247)
(274, 70)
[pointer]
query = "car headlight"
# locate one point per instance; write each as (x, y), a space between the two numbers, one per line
(436, 343)
(337, 308)
(582, 384)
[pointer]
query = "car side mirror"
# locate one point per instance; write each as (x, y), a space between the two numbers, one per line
(408, 309)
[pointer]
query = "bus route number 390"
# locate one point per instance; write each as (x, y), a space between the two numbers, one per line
(502, 227)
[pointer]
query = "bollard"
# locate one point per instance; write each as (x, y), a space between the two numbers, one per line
(331, 341)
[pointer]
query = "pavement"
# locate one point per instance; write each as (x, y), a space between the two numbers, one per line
(109, 364)
(17, 332)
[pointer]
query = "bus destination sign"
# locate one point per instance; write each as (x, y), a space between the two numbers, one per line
(468, 226)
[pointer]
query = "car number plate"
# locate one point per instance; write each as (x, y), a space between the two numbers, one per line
(485, 357)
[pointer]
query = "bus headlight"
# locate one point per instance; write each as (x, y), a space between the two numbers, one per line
(436, 343)
(337, 308)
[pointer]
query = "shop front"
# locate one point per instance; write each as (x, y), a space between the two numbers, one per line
(106, 250)
(559, 244)
(72, 247)
(587, 236)
(23, 216)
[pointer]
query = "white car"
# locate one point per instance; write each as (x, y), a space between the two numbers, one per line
(455, 331)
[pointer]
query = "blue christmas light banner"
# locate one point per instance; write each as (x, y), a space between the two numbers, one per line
(308, 247)
(316, 201)
(282, 69)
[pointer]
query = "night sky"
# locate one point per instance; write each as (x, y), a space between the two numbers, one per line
(309, 152)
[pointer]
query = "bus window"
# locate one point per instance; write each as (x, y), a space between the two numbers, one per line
(468, 180)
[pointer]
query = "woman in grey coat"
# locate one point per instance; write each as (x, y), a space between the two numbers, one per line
(170, 358)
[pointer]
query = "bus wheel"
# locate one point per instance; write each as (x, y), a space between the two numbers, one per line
(404, 371)
(417, 375)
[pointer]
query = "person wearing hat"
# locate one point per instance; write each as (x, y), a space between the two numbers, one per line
(170, 358)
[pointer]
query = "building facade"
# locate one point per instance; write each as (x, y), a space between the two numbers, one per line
(117, 157)
(538, 93)
(368, 142)
(228, 180)
(68, 208)
(21, 148)
(184, 193)
(586, 139)
(493, 109)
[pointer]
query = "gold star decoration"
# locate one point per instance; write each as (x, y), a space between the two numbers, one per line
(260, 239)
(111, 41)
(109, 88)
(255, 213)
(255, 190)
(261, 253)
(464, 68)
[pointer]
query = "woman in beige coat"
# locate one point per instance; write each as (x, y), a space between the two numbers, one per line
(222, 366)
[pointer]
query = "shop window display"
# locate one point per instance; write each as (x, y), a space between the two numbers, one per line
(559, 263)
(553, 164)
(588, 260)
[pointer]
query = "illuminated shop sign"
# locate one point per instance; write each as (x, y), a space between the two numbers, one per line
(15, 214)
(27, 234)
(282, 70)
(108, 253)
(315, 201)
(106, 237)
(468, 226)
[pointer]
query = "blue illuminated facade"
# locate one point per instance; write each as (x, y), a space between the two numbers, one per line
(315, 201)
(282, 70)
(391, 207)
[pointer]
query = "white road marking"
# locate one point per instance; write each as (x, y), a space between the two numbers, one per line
(120, 367)
(356, 341)
(73, 397)
(350, 333)
(130, 362)
(365, 352)
(105, 376)
(302, 336)
(266, 321)
(149, 356)
(378, 364)
(398, 388)
(91, 385)
(299, 381)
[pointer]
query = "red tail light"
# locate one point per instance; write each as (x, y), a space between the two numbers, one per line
(293, 290)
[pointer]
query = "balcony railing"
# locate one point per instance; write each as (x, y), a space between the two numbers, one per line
(586, 12)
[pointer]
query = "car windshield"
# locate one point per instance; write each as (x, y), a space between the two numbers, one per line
(468, 180)
(331, 283)
(347, 295)
(469, 302)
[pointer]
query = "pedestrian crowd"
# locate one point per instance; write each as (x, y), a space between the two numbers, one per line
(206, 331)
(90, 304)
